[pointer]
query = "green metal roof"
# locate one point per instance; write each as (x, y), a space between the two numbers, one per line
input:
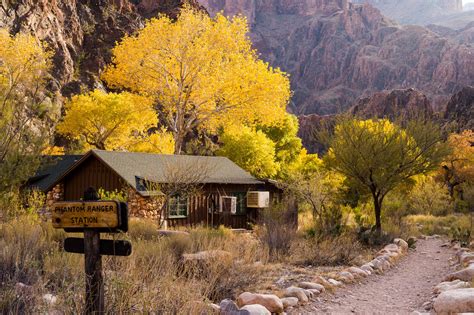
(51, 169)
(161, 168)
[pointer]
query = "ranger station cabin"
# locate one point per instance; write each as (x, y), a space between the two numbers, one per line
(222, 193)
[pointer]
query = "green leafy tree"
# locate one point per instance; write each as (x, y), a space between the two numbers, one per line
(378, 156)
(252, 150)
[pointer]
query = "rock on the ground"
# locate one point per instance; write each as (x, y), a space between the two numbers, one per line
(311, 285)
(346, 276)
(228, 306)
(322, 281)
(401, 243)
(269, 301)
(451, 285)
(289, 302)
(466, 274)
(455, 301)
(411, 241)
(357, 272)
(392, 248)
(335, 282)
(49, 299)
(314, 292)
(255, 309)
(367, 268)
(297, 293)
(466, 258)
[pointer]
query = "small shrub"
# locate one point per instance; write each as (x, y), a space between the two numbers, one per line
(441, 225)
(344, 249)
(275, 232)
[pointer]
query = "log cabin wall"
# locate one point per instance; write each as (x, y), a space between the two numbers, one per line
(91, 173)
(203, 209)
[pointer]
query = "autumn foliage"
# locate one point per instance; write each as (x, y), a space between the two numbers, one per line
(201, 72)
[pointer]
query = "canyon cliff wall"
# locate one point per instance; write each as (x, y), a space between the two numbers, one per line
(424, 12)
(337, 52)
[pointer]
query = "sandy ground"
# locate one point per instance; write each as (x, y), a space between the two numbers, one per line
(401, 290)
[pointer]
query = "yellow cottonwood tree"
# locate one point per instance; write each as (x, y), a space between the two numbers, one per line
(27, 111)
(108, 121)
(202, 73)
(458, 167)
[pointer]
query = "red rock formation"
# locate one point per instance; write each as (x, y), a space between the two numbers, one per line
(404, 104)
(460, 109)
(337, 52)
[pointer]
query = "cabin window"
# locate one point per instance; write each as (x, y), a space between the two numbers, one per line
(241, 203)
(178, 207)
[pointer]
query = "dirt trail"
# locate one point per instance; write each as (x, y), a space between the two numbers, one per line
(401, 290)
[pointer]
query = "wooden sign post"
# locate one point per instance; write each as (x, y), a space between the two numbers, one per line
(91, 217)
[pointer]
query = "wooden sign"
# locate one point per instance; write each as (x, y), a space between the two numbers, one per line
(86, 215)
(107, 247)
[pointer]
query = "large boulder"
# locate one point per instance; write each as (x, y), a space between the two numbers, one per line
(254, 309)
(270, 301)
(466, 274)
(455, 301)
(451, 285)
(298, 293)
(311, 285)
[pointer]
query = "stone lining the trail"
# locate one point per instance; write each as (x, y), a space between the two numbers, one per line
(304, 292)
(455, 294)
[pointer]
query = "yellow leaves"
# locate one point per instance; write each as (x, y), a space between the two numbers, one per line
(161, 142)
(107, 120)
(22, 59)
(202, 71)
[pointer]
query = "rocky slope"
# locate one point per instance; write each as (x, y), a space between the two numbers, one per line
(460, 109)
(448, 13)
(81, 32)
(402, 104)
(336, 52)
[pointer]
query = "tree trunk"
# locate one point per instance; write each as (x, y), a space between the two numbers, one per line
(378, 211)
(178, 143)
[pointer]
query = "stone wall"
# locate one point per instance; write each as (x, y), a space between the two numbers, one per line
(143, 207)
(55, 194)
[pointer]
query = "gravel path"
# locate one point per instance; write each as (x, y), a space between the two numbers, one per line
(401, 290)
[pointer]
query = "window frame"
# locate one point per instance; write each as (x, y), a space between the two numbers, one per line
(241, 207)
(178, 199)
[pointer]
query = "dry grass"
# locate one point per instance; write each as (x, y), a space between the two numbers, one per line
(456, 226)
(154, 278)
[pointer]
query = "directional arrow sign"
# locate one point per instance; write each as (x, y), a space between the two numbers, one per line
(107, 247)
